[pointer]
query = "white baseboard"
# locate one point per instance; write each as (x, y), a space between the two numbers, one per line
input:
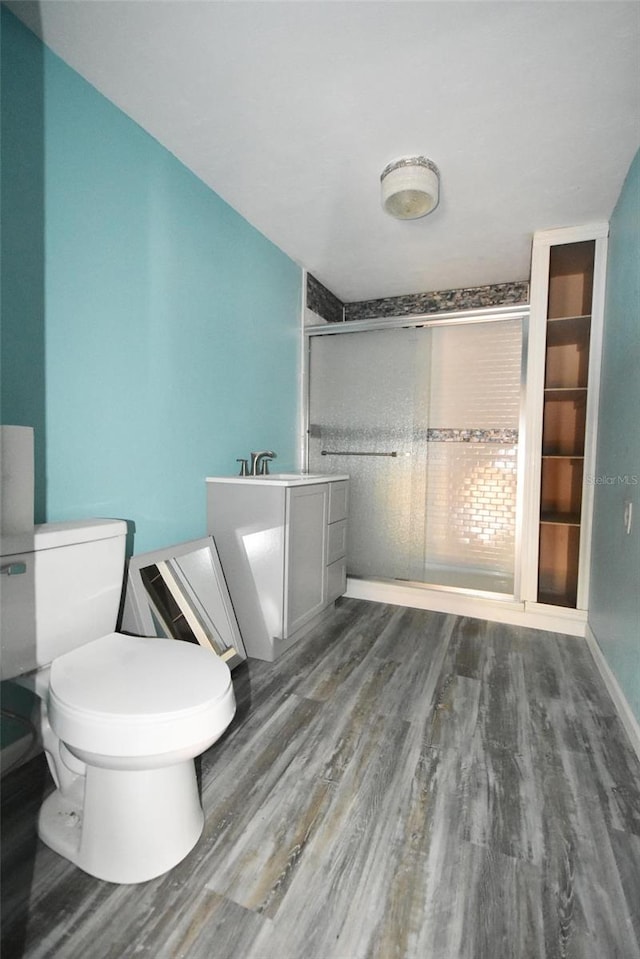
(627, 717)
(569, 622)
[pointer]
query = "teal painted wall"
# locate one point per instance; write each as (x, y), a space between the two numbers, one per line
(614, 614)
(163, 339)
(22, 353)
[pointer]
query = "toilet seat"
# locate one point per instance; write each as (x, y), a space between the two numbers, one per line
(138, 696)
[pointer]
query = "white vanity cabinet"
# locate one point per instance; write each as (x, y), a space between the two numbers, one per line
(282, 545)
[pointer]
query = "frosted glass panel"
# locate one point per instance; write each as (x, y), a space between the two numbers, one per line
(425, 422)
(471, 515)
(475, 376)
(369, 394)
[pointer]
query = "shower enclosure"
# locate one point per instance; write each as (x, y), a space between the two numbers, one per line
(424, 414)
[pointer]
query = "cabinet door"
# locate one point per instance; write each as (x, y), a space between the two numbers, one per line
(336, 579)
(338, 500)
(305, 554)
(336, 541)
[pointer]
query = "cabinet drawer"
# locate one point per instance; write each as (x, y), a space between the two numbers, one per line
(336, 541)
(336, 579)
(338, 500)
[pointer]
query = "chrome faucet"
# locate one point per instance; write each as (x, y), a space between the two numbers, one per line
(260, 462)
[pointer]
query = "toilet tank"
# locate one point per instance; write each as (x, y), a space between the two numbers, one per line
(60, 588)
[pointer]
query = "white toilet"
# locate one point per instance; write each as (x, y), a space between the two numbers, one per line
(123, 717)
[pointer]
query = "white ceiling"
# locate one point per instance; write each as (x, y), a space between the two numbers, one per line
(290, 111)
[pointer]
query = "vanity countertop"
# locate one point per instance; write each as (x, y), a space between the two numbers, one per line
(281, 479)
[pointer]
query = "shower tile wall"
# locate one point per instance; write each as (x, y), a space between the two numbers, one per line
(472, 472)
(471, 512)
(475, 376)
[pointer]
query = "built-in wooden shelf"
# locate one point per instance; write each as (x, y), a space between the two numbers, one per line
(561, 452)
(562, 519)
(568, 329)
(568, 600)
(562, 394)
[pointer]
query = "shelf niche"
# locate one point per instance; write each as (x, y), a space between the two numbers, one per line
(561, 492)
(558, 565)
(567, 355)
(571, 280)
(563, 427)
(571, 270)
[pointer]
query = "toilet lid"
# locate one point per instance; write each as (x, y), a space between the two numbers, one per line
(138, 678)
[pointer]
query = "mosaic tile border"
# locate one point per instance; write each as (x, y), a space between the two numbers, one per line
(323, 302)
(346, 435)
(508, 437)
(470, 298)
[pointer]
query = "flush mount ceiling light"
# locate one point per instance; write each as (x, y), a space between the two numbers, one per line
(410, 187)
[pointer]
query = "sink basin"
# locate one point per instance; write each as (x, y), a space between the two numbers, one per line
(280, 479)
(289, 476)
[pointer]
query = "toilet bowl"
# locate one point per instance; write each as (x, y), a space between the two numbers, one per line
(134, 713)
(122, 717)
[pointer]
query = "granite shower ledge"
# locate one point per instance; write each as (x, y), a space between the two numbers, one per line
(323, 302)
(471, 298)
(326, 305)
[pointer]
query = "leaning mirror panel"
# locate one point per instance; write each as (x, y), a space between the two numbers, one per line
(180, 592)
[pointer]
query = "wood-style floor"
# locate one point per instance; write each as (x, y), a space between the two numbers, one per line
(400, 784)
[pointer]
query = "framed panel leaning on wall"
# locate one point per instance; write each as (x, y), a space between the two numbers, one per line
(180, 592)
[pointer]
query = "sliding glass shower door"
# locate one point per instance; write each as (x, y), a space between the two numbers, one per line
(425, 421)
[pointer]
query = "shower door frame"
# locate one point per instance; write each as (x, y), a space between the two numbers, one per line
(434, 320)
